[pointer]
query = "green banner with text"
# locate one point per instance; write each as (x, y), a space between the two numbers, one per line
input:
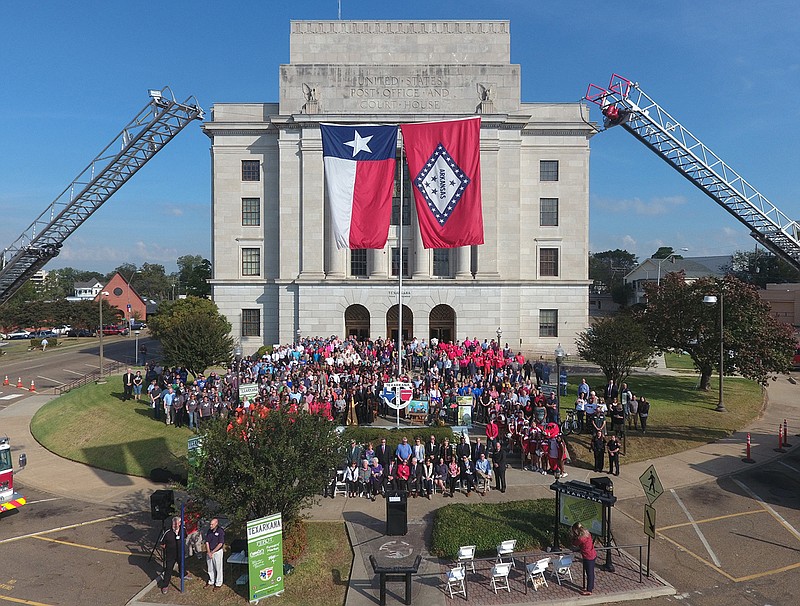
(265, 556)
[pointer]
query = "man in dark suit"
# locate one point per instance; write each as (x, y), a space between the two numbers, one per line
(611, 392)
(477, 449)
(499, 466)
(127, 385)
(384, 453)
(463, 449)
(415, 477)
(354, 453)
(432, 449)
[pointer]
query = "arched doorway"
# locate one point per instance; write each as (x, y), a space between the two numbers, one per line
(356, 322)
(442, 323)
(392, 321)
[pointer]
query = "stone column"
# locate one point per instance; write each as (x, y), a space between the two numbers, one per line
(420, 256)
(378, 263)
(463, 263)
(311, 204)
(490, 169)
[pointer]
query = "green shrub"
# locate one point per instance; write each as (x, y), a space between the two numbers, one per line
(393, 436)
(487, 525)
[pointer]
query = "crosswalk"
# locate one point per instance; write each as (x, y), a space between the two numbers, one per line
(10, 396)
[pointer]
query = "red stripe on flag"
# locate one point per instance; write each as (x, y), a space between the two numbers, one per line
(372, 204)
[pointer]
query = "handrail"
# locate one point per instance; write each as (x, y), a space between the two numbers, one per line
(91, 377)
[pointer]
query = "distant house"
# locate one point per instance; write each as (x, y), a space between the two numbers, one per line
(86, 291)
(122, 296)
(652, 270)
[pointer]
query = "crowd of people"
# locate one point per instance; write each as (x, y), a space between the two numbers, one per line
(343, 380)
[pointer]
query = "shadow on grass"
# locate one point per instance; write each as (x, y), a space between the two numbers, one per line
(150, 454)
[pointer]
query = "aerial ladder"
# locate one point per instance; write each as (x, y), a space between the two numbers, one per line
(624, 104)
(141, 139)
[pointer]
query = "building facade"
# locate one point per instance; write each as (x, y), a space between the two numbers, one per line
(276, 270)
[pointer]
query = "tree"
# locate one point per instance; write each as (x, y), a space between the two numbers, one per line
(193, 334)
(761, 268)
(756, 344)
(663, 252)
(194, 272)
(266, 462)
(609, 268)
(616, 344)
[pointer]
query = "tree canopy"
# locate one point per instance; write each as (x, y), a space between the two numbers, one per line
(194, 272)
(761, 268)
(616, 344)
(609, 268)
(755, 344)
(192, 333)
(265, 462)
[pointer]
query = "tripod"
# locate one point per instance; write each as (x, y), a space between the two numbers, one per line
(159, 539)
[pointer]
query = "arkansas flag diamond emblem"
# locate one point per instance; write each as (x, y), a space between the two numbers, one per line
(442, 183)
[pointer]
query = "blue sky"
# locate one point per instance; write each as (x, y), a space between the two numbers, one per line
(73, 74)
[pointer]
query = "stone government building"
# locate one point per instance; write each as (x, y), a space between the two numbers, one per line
(277, 271)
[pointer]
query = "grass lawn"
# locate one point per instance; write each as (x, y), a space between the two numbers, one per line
(681, 416)
(320, 576)
(530, 522)
(679, 362)
(93, 425)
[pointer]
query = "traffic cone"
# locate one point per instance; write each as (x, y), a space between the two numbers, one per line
(32, 387)
(5, 381)
(19, 383)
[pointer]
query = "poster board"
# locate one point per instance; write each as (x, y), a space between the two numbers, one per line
(417, 407)
(464, 410)
(587, 512)
(248, 391)
(265, 556)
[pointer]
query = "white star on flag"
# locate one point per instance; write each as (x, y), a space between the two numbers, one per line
(359, 144)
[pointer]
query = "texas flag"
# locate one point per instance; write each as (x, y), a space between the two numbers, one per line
(445, 168)
(359, 175)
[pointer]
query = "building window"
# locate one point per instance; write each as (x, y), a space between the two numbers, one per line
(408, 196)
(251, 261)
(548, 322)
(251, 322)
(251, 212)
(396, 261)
(441, 262)
(548, 212)
(358, 262)
(251, 170)
(548, 261)
(548, 170)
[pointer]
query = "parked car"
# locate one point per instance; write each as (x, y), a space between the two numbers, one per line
(42, 334)
(113, 329)
(80, 332)
(138, 325)
(18, 334)
(62, 330)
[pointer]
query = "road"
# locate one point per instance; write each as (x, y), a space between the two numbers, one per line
(59, 551)
(64, 364)
(732, 541)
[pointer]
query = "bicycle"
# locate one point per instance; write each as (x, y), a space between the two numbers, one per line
(570, 424)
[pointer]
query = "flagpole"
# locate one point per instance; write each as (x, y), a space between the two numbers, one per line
(400, 285)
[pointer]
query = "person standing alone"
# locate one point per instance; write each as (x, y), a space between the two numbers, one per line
(169, 543)
(215, 542)
(583, 541)
(127, 385)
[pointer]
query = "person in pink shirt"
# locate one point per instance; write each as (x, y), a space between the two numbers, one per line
(583, 541)
(492, 431)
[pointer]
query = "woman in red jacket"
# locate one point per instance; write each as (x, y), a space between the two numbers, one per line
(583, 541)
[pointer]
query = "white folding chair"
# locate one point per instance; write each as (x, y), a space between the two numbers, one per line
(455, 579)
(506, 548)
(562, 567)
(466, 556)
(536, 572)
(500, 574)
(341, 485)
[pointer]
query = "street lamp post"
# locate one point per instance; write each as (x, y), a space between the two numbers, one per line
(499, 333)
(559, 359)
(237, 354)
(136, 355)
(102, 294)
(669, 256)
(710, 300)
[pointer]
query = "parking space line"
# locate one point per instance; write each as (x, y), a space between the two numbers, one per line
(74, 372)
(60, 528)
(21, 601)
(56, 381)
(700, 535)
(90, 547)
(769, 508)
(705, 520)
(758, 575)
(697, 557)
(794, 469)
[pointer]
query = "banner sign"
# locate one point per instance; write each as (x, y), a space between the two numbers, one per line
(195, 448)
(464, 410)
(265, 556)
(248, 391)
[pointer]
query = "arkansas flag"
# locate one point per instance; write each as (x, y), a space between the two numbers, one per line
(445, 167)
(359, 175)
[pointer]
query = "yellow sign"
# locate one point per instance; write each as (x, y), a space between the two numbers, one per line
(651, 484)
(650, 521)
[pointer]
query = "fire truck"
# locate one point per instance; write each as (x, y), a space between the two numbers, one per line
(8, 498)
